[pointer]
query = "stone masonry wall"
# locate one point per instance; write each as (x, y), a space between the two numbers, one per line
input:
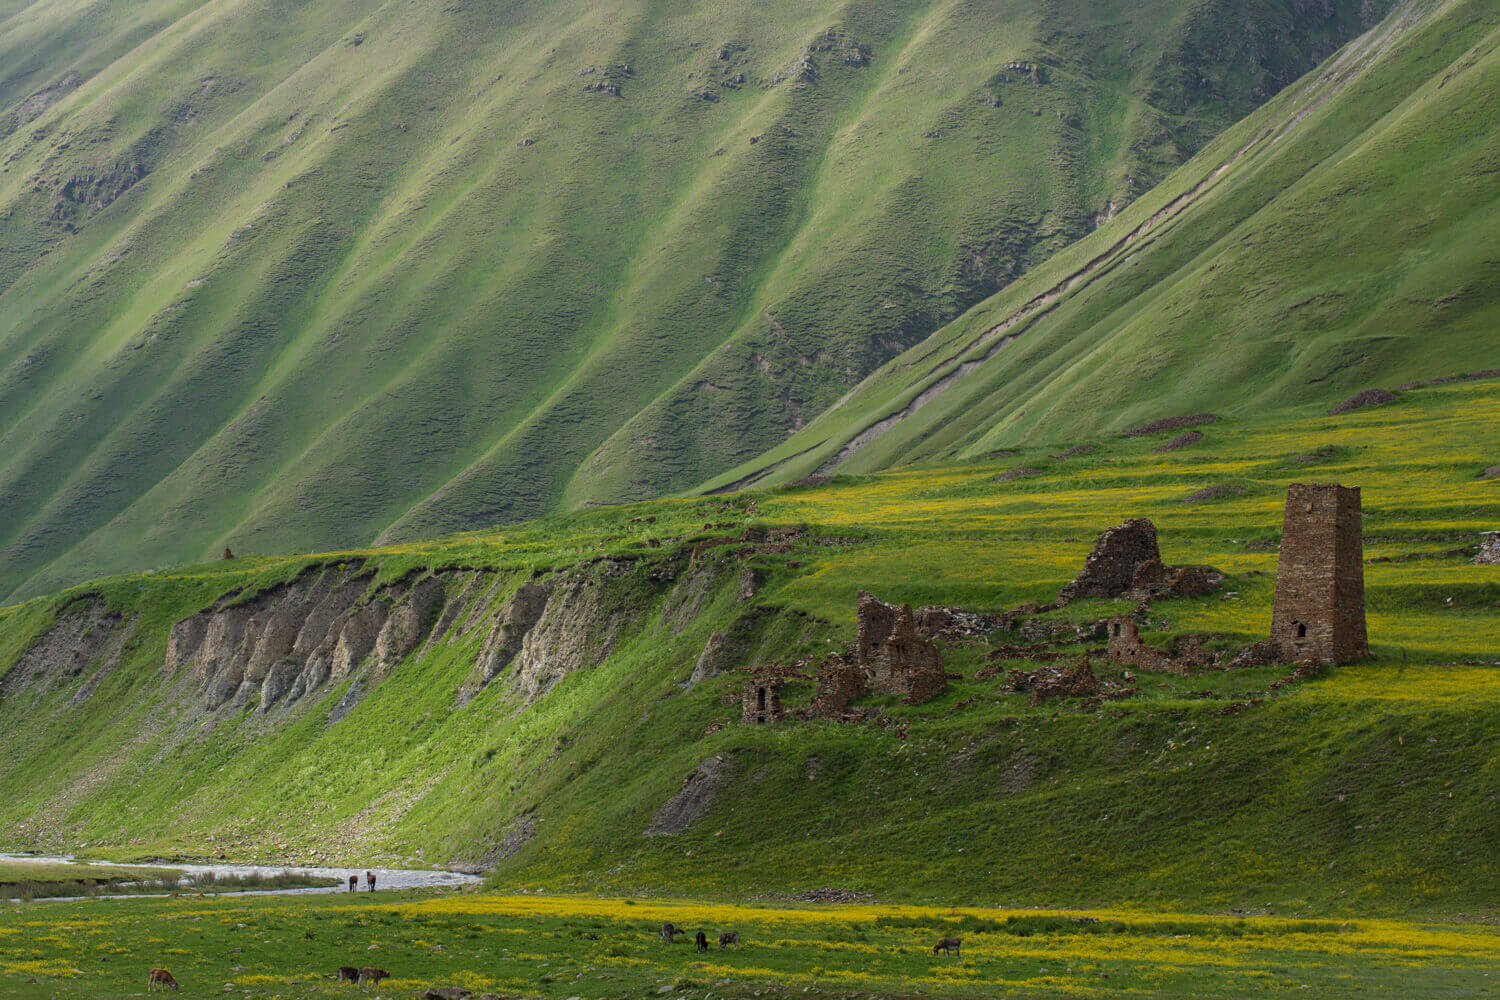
(1319, 608)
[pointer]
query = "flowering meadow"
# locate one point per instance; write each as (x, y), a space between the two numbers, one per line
(545, 946)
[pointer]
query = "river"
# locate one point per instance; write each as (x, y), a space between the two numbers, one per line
(385, 878)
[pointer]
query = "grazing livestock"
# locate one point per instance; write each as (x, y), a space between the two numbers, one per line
(370, 880)
(348, 974)
(729, 938)
(353, 883)
(160, 979)
(669, 933)
(948, 945)
(373, 976)
(701, 939)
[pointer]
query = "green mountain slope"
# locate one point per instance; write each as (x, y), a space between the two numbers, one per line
(278, 276)
(559, 701)
(1346, 236)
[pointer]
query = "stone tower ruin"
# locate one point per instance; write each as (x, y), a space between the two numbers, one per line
(1319, 610)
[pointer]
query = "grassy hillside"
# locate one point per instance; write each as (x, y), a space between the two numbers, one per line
(285, 277)
(1341, 238)
(1370, 788)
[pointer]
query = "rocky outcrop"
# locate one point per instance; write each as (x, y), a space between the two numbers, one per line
(578, 628)
(1364, 400)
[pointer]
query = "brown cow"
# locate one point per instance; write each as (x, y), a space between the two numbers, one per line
(950, 946)
(228, 554)
(370, 880)
(353, 883)
(160, 978)
(729, 938)
(373, 976)
(348, 974)
(669, 933)
(701, 940)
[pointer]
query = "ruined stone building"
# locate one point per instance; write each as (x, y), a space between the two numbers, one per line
(897, 659)
(1126, 562)
(760, 702)
(839, 683)
(1319, 610)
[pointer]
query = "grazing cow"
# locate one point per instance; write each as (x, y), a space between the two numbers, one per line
(353, 883)
(701, 939)
(348, 974)
(370, 880)
(373, 976)
(228, 554)
(669, 933)
(160, 979)
(729, 938)
(949, 945)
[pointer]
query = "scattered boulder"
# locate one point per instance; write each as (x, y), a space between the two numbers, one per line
(1024, 472)
(447, 993)
(1077, 449)
(1364, 400)
(1489, 549)
(1493, 472)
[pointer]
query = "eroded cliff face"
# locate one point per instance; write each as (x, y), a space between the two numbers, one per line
(86, 642)
(290, 642)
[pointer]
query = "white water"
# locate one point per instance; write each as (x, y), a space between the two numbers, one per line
(385, 878)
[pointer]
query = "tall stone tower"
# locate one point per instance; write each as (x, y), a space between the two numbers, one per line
(1319, 611)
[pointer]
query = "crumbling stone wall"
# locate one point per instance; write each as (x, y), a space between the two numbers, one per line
(1126, 562)
(896, 658)
(1319, 610)
(873, 621)
(839, 683)
(1125, 647)
(1110, 568)
(912, 666)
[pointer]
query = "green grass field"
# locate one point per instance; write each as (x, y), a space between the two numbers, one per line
(519, 946)
(305, 278)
